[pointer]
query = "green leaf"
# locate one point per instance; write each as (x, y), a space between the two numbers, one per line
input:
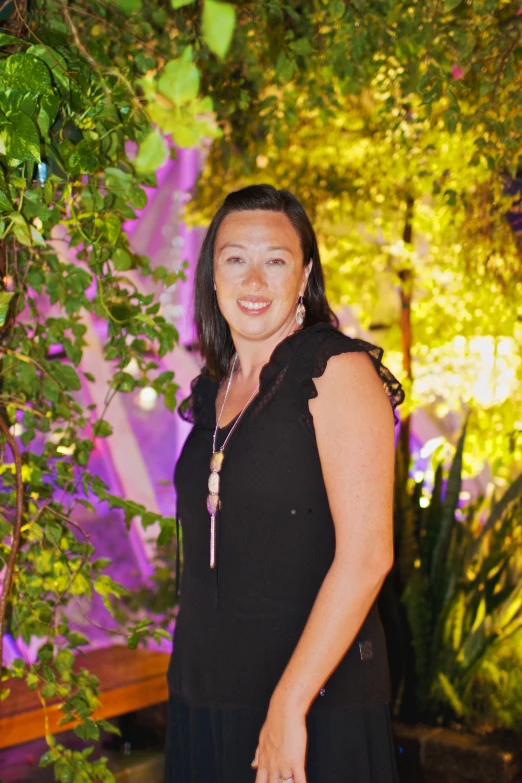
(65, 375)
(20, 228)
(129, 6)
(137, 197)
(49, 690)
(80, 585)
(5, 300)
(180, 3)
(111, 228)
(36, 238)
(450, 5)
(50, 390)
(119, 180)
(19, 100)
(29, 72)
(170, 397)
(110, 727)
(6, 40)
(121, 259)
(56, 63)
(77, 639)
(64, 660)
(302, 47)
(219, 20)
(5, 204)
(179, 80)
(88, 730)
(21, 138)
(186, 134)
(132, 641)
(102, 428)
(152, 154)
(32, 681)
(84, 157)
(451, 694)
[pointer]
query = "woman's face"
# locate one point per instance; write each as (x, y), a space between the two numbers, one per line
(258, 272)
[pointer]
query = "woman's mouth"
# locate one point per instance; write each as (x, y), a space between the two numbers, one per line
(253, 307)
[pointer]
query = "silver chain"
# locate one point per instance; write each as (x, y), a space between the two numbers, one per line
(223, 405)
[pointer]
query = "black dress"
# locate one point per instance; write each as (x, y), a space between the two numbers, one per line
(239, 623)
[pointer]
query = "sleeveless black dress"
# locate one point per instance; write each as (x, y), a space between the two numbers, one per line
(239, 623)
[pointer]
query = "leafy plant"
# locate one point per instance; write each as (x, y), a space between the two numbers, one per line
(460, 573)
(399, 124)
(88, 93)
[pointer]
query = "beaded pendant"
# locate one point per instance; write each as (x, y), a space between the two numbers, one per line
(213, 501)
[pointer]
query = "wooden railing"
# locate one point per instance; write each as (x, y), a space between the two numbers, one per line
(129, 680)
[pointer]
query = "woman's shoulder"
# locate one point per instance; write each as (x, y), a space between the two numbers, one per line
(317, 343)
(323, 341)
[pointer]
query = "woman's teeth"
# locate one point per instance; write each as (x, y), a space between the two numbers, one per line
(253, 305)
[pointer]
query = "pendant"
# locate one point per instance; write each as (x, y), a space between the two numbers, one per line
(213, 501)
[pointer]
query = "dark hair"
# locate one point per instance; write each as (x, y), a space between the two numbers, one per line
(214, 338)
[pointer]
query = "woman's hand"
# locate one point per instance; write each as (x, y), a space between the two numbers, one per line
(281, 751)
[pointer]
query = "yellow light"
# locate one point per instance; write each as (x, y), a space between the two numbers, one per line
(67, 450)
(424, 502)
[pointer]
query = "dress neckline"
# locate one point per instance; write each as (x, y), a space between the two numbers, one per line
(279, 357)
(230, 423)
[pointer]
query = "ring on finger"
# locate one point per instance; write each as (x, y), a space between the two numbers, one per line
(286, 780)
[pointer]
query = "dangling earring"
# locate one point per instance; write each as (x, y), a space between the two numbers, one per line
(300, 311)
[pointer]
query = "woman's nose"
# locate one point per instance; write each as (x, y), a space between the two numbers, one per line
(254, 277)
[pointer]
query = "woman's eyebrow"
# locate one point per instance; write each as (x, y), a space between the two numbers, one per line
(280, 247)
(230, 244)
(242, 247)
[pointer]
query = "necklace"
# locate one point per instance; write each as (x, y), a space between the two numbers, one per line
(216, 463)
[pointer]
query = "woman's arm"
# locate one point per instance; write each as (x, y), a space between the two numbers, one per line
(354, 427)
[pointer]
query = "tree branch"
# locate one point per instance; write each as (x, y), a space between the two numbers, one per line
(17, 528)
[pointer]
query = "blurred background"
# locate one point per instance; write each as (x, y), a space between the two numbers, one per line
(123, 125)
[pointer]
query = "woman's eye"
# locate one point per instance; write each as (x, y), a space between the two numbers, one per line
(233, 260)
(277, 261)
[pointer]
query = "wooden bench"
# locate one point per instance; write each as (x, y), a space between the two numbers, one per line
(129, 680)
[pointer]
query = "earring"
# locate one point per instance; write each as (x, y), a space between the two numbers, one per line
(300, 311)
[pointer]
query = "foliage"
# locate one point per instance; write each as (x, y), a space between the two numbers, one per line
(399, 126)
(347, 91)
(459, 572)
(91, 90)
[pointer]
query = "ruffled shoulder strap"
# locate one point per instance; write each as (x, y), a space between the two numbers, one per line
(198, 405)
(329, 341)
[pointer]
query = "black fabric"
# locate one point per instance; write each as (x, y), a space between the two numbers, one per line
(239, 623)
(217, 745)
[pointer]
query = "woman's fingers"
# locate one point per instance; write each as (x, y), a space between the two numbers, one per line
(262, 775)
(266, 776)
(256, 758)
(300, 776)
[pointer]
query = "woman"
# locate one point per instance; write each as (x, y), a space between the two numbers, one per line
(279, 669)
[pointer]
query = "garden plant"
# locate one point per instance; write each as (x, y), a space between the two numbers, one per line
(395, 122)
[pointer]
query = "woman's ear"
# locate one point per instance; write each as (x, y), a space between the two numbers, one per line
(308, 269)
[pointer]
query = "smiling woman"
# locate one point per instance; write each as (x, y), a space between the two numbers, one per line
(265, 278)
(279, 668)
